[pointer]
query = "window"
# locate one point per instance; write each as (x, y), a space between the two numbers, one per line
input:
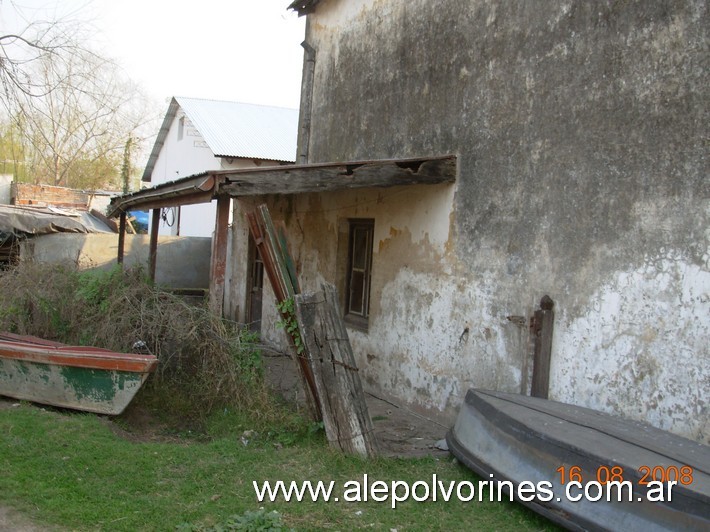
(357, 303)
(181, 128)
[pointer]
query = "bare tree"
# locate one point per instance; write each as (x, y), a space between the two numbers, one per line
(73, 108)
(29, 43)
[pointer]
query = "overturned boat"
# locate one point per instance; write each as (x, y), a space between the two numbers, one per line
(82, 378)
(575, 455)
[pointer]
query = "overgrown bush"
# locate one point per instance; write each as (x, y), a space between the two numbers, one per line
(205, 362)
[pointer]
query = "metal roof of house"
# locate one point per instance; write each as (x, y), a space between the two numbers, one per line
(233, 129)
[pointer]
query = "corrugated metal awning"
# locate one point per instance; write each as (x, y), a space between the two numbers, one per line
(291, 179)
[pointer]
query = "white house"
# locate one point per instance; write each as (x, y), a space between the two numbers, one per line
(198, 135)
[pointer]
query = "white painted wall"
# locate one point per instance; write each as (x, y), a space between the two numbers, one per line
(182, 158)
(5, 189)
(185, 157)
(608, 358)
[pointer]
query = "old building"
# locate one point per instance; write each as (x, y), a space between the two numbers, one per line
(564, 150)
(580, 130)
(198, 135)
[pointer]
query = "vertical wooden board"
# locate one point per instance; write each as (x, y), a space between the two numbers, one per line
(153, 247)
(288, 259)
(219, 255)
(543, 328)
(345, 415)
(121, 237)
(306, 305)
(273, 242)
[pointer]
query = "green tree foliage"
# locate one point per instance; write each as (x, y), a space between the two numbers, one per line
(12, 153)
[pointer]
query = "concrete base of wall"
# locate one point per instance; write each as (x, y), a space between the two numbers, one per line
(182, 262)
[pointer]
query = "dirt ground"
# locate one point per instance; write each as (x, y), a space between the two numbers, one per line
(11, 520)
(400, 432)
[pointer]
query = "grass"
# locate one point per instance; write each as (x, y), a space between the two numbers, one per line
(84, 472)
(73, 470)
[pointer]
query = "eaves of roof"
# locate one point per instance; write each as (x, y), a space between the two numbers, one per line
(160, 140)
(304, 7)
(290, 179)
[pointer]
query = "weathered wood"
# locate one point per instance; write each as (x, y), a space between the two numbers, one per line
(105, 219)
(219, 255)
(347, 422)
(290, 179)
(279, 252)
(129, 225)
(542, 335)
(272, 256)
(153, 246)
(304, 117)
(121, 237)
(187, 191)
(335, 176)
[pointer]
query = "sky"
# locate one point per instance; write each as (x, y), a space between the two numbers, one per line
(239, 50)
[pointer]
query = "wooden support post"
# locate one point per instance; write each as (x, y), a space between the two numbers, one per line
(276, 259)
(342, 400)
(121, 237)
(153, 249)
(219, 255)
(542, 335)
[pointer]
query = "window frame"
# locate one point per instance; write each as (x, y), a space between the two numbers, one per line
(352, 316)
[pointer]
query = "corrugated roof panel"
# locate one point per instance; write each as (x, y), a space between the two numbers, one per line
(233, 129)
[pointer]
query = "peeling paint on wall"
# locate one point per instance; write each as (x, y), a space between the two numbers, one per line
(641, 348)
(580, 133)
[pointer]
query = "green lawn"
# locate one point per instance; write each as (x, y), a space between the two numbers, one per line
(72, 470)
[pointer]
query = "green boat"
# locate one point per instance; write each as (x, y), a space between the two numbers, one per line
(77, 377)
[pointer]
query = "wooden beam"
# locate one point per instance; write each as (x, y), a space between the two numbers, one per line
(542, 335)
(327, 177)
(291, 179)
(105, 219)
(153, 249)
(192, 198)
(219, 255)
(121, 237)
(187, 191)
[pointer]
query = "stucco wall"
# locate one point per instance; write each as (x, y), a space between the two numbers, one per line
(581, 131)
(5, 188)
(182, 262)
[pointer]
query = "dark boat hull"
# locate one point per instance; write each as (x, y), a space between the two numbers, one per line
(517, 438)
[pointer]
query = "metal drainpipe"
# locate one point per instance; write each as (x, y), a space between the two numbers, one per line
(304, 119)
